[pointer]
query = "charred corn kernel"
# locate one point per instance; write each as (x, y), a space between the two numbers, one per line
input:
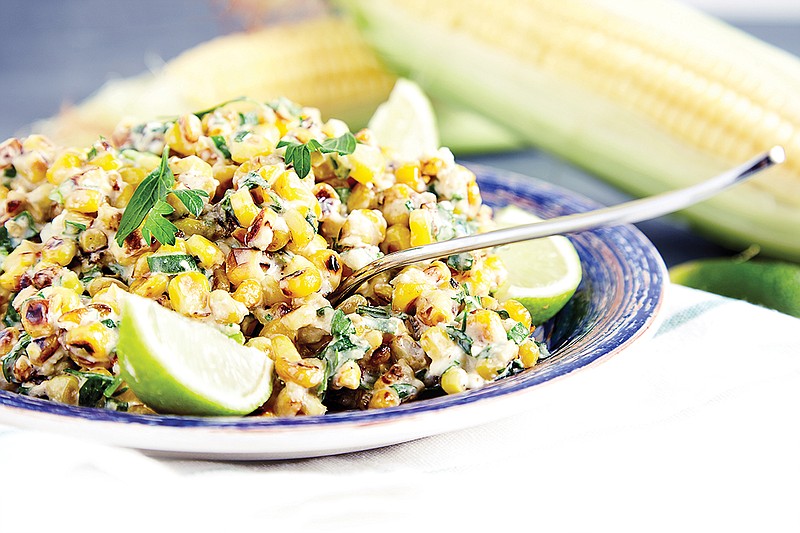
(260, 343)
(301, 230)
(317, 244)
(183, 134)
(304, 372)
(250, 293)
(261, 167)
(397, 204)
(151, 286)
(435, 307)
(405, 296)
(362, 197)
(366, 163)
(101, 283)
(16, 264)
(282, 346)
(206, 251)
(329, 264)
(363, 227)
(195, 174)
(90, 343)
(110, 296)
(420, 227)
(242, 264)
(439, 273)
(485, 325)
(92, 240)
(72, 318)
(518, 312)
(454, 380)
(3, 192)
(409, 174)
(133, 175)
(34, 317)
(106, 161)
(489, 368)
(193, 226)
(347, 377)
(70, 280)
(64, 166)
(189, 293)
(63, 389)
(529, 353)
(301, 278)
(436, 342)
(84, 201)
(224, 309)
(272, 291)
(243, 207)
(63, 300)
(59, 251)
(382, 398)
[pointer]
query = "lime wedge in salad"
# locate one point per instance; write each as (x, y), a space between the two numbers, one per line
(180, 366)
(406, 122)
(543, 273)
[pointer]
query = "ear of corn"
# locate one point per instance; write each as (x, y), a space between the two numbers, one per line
(648, 94)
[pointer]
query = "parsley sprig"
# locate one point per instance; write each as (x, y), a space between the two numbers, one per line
(298, 155)
(148, 205)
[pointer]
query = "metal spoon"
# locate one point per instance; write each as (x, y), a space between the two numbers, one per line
(625, 213)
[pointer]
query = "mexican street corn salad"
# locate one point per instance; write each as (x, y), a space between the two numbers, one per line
(245, 216)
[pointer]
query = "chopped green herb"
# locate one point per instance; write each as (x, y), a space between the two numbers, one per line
(460, 338)
(518, 333)
(503, 313)
(172, 263)
(514, 367)
(110, 324)
(92, 153)
(201, 114)
(240, 136)
(74, 228)
(5, 241)
(12, 317)
(10, 172)
(237, 336)
(219, 142)
(312, 221)
(252, 180)
(250, 118)
(404, 390)
(461, 262)
(112, 387)
(345, 346)
(192, 199)
(344, 193)
(456, 197)
(94, 387)
(25, 220)
(321, 310)
(10, 359)
(409, 205)
(375, 312)
(341, 325)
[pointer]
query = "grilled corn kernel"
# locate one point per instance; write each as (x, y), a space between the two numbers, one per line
(253, 145)
(151, 286)
(133, 175)
(518, 312)
(397, 204)
(224, 309)
(63, 300)
(69, 280)
(90, 343)
(282, 346)
(347, 377)
(189, 292)
(59, 251)
(434, 307)
(65, 165)
(102, 283)
(206, 251)
(184, 134)
(382, 398)
(242, 264)
(454, 380)
(366, 163)
(250, 293)
(439, 273)
(405, 296)
(329, 264)
(489, 368)
(84, 201)
(398, 238)
(92, 240)
(33, 315)
(39, 350)
(305, 372)
(106, 161)
(436, 342)
(409, 174)
(301, 279)
(63, 389)
(243, 207)
(529, 353)
(486, 326)
(362, 197)
(260, 343)
(420, 227)
(363, 227)
(301, 230)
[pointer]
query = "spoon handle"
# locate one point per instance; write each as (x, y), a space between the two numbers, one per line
(625, 213)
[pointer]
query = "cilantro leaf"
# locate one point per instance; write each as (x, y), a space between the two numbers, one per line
(404, 390)
(252, 180)
(518, 333)
(152, 189)
(342, 145)
(221, 145)
(460, 338)
(192, 199)
(155, 225)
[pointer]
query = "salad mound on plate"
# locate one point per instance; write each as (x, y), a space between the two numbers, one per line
(244, 217)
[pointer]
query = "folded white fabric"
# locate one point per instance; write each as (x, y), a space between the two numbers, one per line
(694, 429)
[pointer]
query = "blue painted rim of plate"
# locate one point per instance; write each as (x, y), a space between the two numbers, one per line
(623, 288)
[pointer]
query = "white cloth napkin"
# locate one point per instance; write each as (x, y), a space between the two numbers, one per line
(695, 429)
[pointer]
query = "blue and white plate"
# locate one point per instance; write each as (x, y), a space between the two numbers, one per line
(616, 304)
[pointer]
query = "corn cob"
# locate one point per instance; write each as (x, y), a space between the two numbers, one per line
(651, 95)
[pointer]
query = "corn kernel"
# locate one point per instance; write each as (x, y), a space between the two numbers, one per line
(71, 281)
(65, 165)
(421, 227)
(92, 240)
(106, 161)
(260, 343)
(242, 264)
(409, 174)
(224, 309)
(366, 163)
(243, 207)
(347, 377)
(454, 380)
(151, 286)
(518, 312)
(529, 353)
(301, 279)
(90, 343)
(252, 145)
(282, 346)
(304, 372)
(301, 231)
(405, 295)
(189, 293)
(436, 342)
(382, 398)
(250, 293)
(489, 368)
(84, 201)
(206, 251)
(63, 388)
(34, 317)
(362, 197)
(59, 251)
(63, 300)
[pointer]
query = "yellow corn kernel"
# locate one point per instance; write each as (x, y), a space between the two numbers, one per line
(65, 165)
(224, 309)
(302, 278)
(92, 240)
(329, 264)
(489, 368)
(434, 307)
(363, 227)
(206, 251)
(17, 263)
(63, 388)
(84, 201)
(106, 161)
(260, 343)
(487, 302)
(409, 174)
(242, 264)
(435, 342)
(59, 251)
(252, 145)
(151, 286)
(382, 398)
(518, 312)
(347, 377)
(301, 231)
(63, 300)
(72, 318)
(362, 197)
(184, 133)
(250, 293)
(473, 197)
(178, 248)
(420, 227)
(454, 380)
(189, 292)
(272, 291)
(34, 317)
(282, 346)
(90, 343)
(70, 280)
(405, 295)
(439, 273)
(366, 163)
(529, 353)
(101, 283)
(193, 226)
(3, 192)
(260, 166)
(133, 175)
(110, 296)
(243, 207)
(304, 372)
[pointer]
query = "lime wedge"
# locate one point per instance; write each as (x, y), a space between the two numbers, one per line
(405, 122)
(182, 366)
(543, 273)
